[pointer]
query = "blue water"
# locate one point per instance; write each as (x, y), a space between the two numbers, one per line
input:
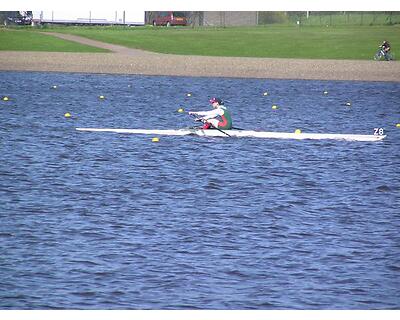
(112, 221)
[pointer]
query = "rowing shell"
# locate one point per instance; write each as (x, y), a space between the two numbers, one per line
(243, 133)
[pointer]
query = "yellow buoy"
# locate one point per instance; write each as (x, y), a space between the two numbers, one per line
(180, 110)
(67, 115)
(102, 97)
(398, 125)
(297, 131)
(274, 107)
(5, 99)
(155, 139)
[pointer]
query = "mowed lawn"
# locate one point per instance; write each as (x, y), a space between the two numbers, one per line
(27, 40)
(278, 41)
(341, 42)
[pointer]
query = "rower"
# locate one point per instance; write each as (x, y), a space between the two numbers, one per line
(219, 117)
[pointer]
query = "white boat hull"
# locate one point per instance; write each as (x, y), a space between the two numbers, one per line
(242, 133)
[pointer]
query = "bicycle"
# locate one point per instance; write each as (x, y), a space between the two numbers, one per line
(382, 54)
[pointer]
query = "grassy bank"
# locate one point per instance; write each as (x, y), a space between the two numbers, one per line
(26, 40)
(349, 42)
(316, 42)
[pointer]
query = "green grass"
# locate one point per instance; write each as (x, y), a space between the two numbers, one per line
(315, 42)
(344, 42)
(28, 40)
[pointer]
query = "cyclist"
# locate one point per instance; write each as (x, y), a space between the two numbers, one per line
(385, 47)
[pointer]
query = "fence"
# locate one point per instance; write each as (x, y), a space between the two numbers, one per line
(332, 18)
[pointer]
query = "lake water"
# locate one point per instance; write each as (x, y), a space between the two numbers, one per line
(113, 221)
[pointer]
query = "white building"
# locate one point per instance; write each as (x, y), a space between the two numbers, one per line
(92, 17)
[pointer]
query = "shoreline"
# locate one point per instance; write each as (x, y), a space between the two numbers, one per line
(127, 61)
(199, 66)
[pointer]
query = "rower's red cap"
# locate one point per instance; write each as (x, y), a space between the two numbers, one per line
(212, 100)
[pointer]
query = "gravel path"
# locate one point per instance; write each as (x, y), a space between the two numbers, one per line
(123, 60)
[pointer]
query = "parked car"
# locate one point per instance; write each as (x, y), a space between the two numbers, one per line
(18, 17)
(170, 18)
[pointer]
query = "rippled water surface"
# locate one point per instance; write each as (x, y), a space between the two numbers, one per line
(114, 221)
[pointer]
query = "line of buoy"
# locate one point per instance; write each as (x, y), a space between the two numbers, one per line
(68, 115)
(181, 109)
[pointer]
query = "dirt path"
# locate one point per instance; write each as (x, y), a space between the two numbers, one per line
(94, 43)
(122, 60)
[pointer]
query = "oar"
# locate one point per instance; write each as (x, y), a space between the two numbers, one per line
(218, 129)
(204, 121)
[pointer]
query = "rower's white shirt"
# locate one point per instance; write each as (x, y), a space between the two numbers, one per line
(212, 113)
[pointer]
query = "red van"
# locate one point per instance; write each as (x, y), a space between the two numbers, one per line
(170, 18)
